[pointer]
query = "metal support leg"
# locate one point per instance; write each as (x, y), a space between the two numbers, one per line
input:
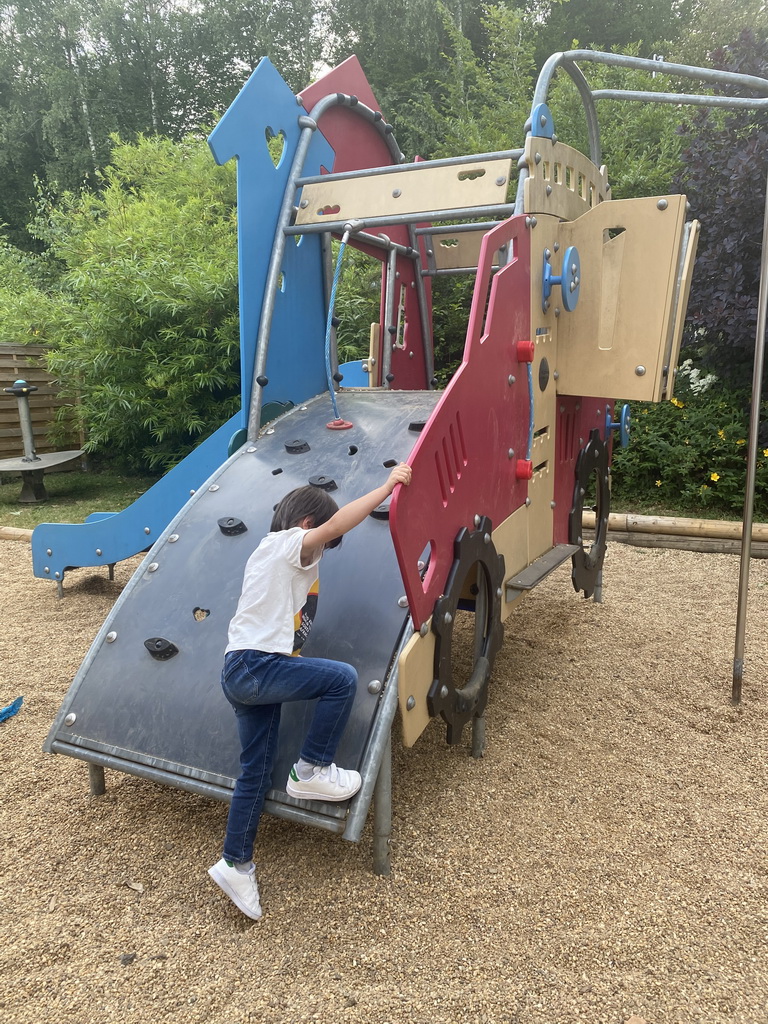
(111, 570)
(597, 597)
(96, 779)
(478, 736)
(382, 813)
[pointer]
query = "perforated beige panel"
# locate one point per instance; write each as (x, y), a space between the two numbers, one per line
(561, 181)
(458, 250)
(615, 340)
(418, 190)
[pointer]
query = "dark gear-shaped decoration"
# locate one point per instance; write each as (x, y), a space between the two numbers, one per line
(457, 706)
(588, 560)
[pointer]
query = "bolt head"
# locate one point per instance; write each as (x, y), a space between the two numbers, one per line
(410, 703)
(111, 637)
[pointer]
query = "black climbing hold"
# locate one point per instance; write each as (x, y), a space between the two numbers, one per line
(338, 377)
(296, 447)
(390, 463)
(381, 511)
(230, 526)
(325, 483)
(160, 648)
(543, 374)
(262, 381)
(417, 426)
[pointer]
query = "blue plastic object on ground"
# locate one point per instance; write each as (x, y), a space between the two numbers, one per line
(10, 710)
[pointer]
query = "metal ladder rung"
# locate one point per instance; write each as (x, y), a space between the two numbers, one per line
(539, 569)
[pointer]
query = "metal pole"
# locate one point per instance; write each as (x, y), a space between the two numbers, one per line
(483, 604)
(749, 496)
(424, 318)
(382, 812)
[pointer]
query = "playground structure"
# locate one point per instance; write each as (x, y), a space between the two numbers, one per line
(577, 297)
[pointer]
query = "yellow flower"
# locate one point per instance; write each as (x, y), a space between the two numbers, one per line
(676, 402)
(658, 483)
(765, 452)
(741, 441)
(714, 476)
(721, 434)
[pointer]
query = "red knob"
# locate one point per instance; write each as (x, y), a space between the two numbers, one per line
(525, 351)
(524, 469)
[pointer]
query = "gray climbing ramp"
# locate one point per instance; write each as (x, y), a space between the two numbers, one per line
(134, 708)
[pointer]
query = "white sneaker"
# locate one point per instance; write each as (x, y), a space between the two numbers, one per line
(240, 886)
(328, 783)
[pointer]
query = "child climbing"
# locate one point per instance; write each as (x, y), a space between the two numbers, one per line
(261, 673)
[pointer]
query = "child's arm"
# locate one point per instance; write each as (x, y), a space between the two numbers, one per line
(351, 515)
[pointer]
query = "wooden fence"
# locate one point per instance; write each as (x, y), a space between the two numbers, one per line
(26, 362)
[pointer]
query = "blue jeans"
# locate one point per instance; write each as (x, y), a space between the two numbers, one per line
(256, 685)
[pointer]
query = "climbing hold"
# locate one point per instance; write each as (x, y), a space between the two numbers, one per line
(160, 648)
(325, 483)
(231, 527)
(297, 447)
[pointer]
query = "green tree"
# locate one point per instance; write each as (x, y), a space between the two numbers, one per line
(146, 324)
(724, 173)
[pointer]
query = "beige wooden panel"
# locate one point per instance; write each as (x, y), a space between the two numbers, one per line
(458, 250)
(371, 364)
(683, 294)
(418, 190)
(541, 489)
(510, 539)
(614, 342)
(561, 181)
(415, 672)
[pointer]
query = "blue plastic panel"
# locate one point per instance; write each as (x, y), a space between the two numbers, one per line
(266, 108)
(135, 528)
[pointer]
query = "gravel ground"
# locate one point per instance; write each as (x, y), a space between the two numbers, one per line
(604, 862)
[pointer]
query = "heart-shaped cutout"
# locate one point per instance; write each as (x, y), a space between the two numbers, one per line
(275, 144)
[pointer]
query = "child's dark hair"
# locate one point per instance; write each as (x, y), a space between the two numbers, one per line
(310, 501)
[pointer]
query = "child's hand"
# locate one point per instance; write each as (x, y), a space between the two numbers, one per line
(400, 475)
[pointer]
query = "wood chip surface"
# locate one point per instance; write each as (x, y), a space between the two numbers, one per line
(604, 862)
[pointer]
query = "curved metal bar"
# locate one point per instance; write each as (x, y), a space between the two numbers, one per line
(562, 60)
(693, 99)
(663, 67)
(308, 125)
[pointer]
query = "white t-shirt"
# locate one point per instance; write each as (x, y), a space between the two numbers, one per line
(275, 589)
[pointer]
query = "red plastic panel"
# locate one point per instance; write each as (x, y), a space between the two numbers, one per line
(461, 463)
(576, 417)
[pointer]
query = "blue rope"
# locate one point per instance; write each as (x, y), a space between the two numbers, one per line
(530, 419)
(328, 325)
